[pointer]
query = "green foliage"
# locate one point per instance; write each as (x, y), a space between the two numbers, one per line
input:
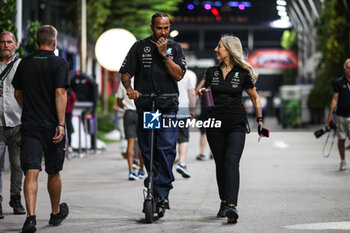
(98, 13)
(20, 50)
(289, 77)
(7, 16)
(135, 16)
(288, 39)
(105, 120)
(31, 45)
(333, 33)
(132, 15)
(102, 136)
(291, 112)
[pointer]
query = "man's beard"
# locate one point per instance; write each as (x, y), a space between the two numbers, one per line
(4, 55)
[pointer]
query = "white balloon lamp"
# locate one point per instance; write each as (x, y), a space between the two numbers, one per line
(112, 47)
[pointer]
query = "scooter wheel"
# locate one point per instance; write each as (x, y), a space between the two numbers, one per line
(148, 209)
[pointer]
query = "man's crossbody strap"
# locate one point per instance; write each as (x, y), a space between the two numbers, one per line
(6, 70)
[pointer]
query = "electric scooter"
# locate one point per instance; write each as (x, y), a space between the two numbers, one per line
(150, 205)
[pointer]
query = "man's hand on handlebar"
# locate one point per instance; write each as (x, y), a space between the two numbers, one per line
(132, 94)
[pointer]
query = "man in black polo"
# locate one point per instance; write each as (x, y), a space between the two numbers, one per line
(341, 101)
(41, 81)
(157, 63)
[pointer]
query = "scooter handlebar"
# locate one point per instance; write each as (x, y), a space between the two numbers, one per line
(164, 95)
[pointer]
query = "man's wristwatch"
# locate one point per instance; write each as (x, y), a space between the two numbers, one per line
(166, 56)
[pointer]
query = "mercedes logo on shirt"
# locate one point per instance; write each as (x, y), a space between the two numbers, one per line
(147, 49)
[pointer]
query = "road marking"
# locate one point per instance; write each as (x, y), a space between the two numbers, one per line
(321, 226)
(281, 144)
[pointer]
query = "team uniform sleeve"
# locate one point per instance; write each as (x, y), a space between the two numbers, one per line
(336, 87)
(248, 82)
(61, 75)
(207, 78)
(16, 81)
(179, 58)
(129, 64)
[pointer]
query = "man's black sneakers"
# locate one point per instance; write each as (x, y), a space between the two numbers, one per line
(29, 225)
(1, 213)
(232, 214)
(222, 210)
(163, 202)
(56, 219)
(15, 203)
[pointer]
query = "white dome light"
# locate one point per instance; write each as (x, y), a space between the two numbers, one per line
(282, 13)
(280, 24)
(281, 2)
(112, 47)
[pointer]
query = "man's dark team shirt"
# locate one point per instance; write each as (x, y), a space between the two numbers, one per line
(146, 65)
(38, 76)
(342, 87)
(227, 94)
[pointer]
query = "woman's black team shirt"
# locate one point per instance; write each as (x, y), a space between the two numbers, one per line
(146, 65)
(227, 95)
(38, 76)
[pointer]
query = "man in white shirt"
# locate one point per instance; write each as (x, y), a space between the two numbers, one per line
(130, 129)
(10, 121)
(187, 101)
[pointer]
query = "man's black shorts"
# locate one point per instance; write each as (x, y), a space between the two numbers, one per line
(35, 145)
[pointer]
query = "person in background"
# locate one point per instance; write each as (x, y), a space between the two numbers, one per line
(10, 116)
(130, 126)
(187, 101)
(277, 106)
(227, 81)
(40, 83)
(71, 99)
(341, 102)
(263, 100)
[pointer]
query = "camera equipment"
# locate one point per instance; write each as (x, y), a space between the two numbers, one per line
(325, 129)
(265, 132)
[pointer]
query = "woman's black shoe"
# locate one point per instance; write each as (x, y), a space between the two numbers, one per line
(222, 210)
(232, 214)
